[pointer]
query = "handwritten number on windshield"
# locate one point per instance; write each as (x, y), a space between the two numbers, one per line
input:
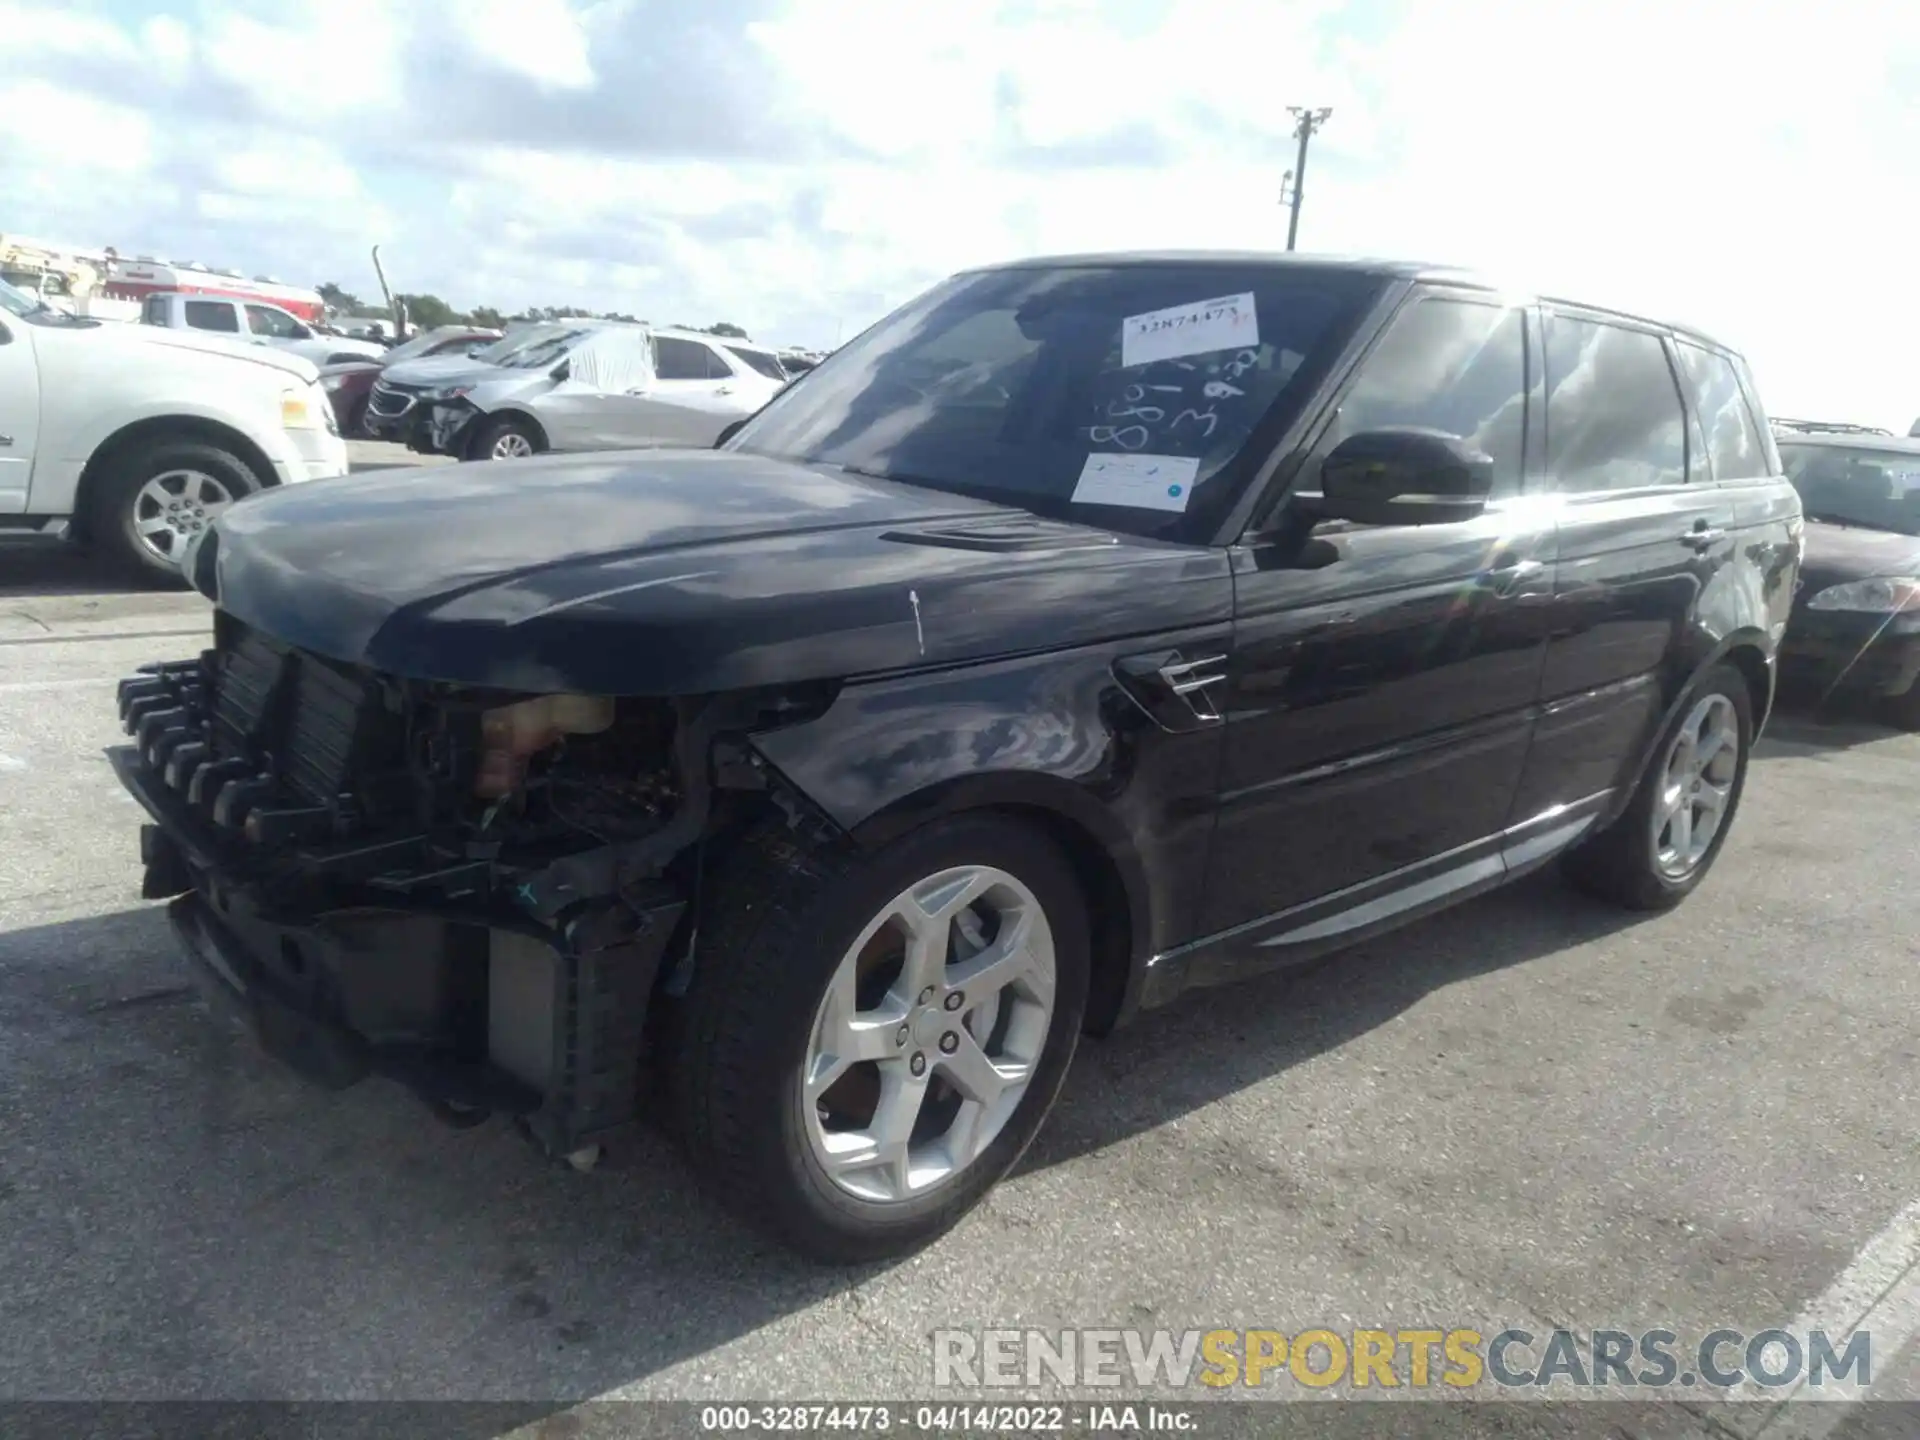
(1117, 435)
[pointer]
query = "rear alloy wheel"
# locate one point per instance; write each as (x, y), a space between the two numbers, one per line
(506, 439)
(1656, 853)
(870, 1043)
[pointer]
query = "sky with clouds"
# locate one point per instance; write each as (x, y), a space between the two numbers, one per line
(801, 166)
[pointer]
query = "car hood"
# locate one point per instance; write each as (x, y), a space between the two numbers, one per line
(440, 370)
(198, 342)
(1836, 554)
(676, 572)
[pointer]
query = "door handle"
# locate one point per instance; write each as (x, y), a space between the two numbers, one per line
(1505, 579)
(724, 390)
(1702, 536)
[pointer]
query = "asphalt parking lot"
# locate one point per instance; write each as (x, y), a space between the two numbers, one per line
(1528, 1113)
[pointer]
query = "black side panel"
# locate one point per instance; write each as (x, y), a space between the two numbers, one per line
(1057, 733)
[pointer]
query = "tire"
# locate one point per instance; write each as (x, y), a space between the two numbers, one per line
(506, 432)
(781, 920)
(202, 478)
(1626, 864)
(1904, 710)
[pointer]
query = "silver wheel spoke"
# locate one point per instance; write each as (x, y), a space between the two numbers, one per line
(846, 1035)
(885, 1146)
(1681, 829)
(1006, 961)
(928, 913)
(978, 1077)
(1713, 798)
(155, 525)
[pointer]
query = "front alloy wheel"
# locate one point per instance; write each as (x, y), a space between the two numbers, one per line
(871, 1040)
(929, 1034)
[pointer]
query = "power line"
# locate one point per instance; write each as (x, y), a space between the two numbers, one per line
(1306, 121)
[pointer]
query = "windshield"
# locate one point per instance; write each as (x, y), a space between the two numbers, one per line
(16, 301)
(514, 341)
(1874, 489)
(1122, 396)
(544, 352)
(412, 349)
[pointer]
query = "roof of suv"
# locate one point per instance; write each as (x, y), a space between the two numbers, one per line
(1850, 440)
(1404, 270)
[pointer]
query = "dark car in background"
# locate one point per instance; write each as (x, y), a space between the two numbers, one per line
(349, 383)
(1089, 630)
(1855, 628)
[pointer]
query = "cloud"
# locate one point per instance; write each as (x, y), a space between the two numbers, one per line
(800, 166)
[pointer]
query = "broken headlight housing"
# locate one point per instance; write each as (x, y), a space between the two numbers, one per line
(511, 735)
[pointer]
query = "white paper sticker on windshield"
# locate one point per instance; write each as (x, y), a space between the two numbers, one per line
(1142, 482)
(1904, 483)
(1226, 322)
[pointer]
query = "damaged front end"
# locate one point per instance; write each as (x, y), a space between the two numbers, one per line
(476, 894)
(449, 427)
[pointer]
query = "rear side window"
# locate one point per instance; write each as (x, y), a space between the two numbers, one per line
(760, 360)
(1614, 419)
(679, 359)
(1735, 449)
(1451, 365)
(212, 315)
(154, 312)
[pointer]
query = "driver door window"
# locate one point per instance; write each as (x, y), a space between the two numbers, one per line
(1457, 366)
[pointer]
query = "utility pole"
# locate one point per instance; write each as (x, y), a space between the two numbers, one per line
(1306, 122)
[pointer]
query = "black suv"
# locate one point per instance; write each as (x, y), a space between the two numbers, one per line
(1855, 627)
(1088, 630)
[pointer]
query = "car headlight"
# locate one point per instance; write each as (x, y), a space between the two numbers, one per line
(332, 382)
(299, 412)
(1888, 595)
(450, 392)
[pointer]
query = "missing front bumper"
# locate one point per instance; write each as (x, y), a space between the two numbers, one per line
(484, 1013)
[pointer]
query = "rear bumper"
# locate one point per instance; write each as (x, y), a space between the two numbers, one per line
(475, 1007)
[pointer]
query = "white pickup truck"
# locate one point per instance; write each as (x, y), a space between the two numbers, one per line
(138, 437)
(253, 322)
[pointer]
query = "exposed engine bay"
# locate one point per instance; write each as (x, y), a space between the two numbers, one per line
(475, 893)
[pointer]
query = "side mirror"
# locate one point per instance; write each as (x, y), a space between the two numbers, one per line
(562, 370)
(1404, 477)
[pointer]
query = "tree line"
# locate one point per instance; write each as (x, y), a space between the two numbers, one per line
(427, 312)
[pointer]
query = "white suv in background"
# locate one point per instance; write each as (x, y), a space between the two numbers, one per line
(139, 436)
